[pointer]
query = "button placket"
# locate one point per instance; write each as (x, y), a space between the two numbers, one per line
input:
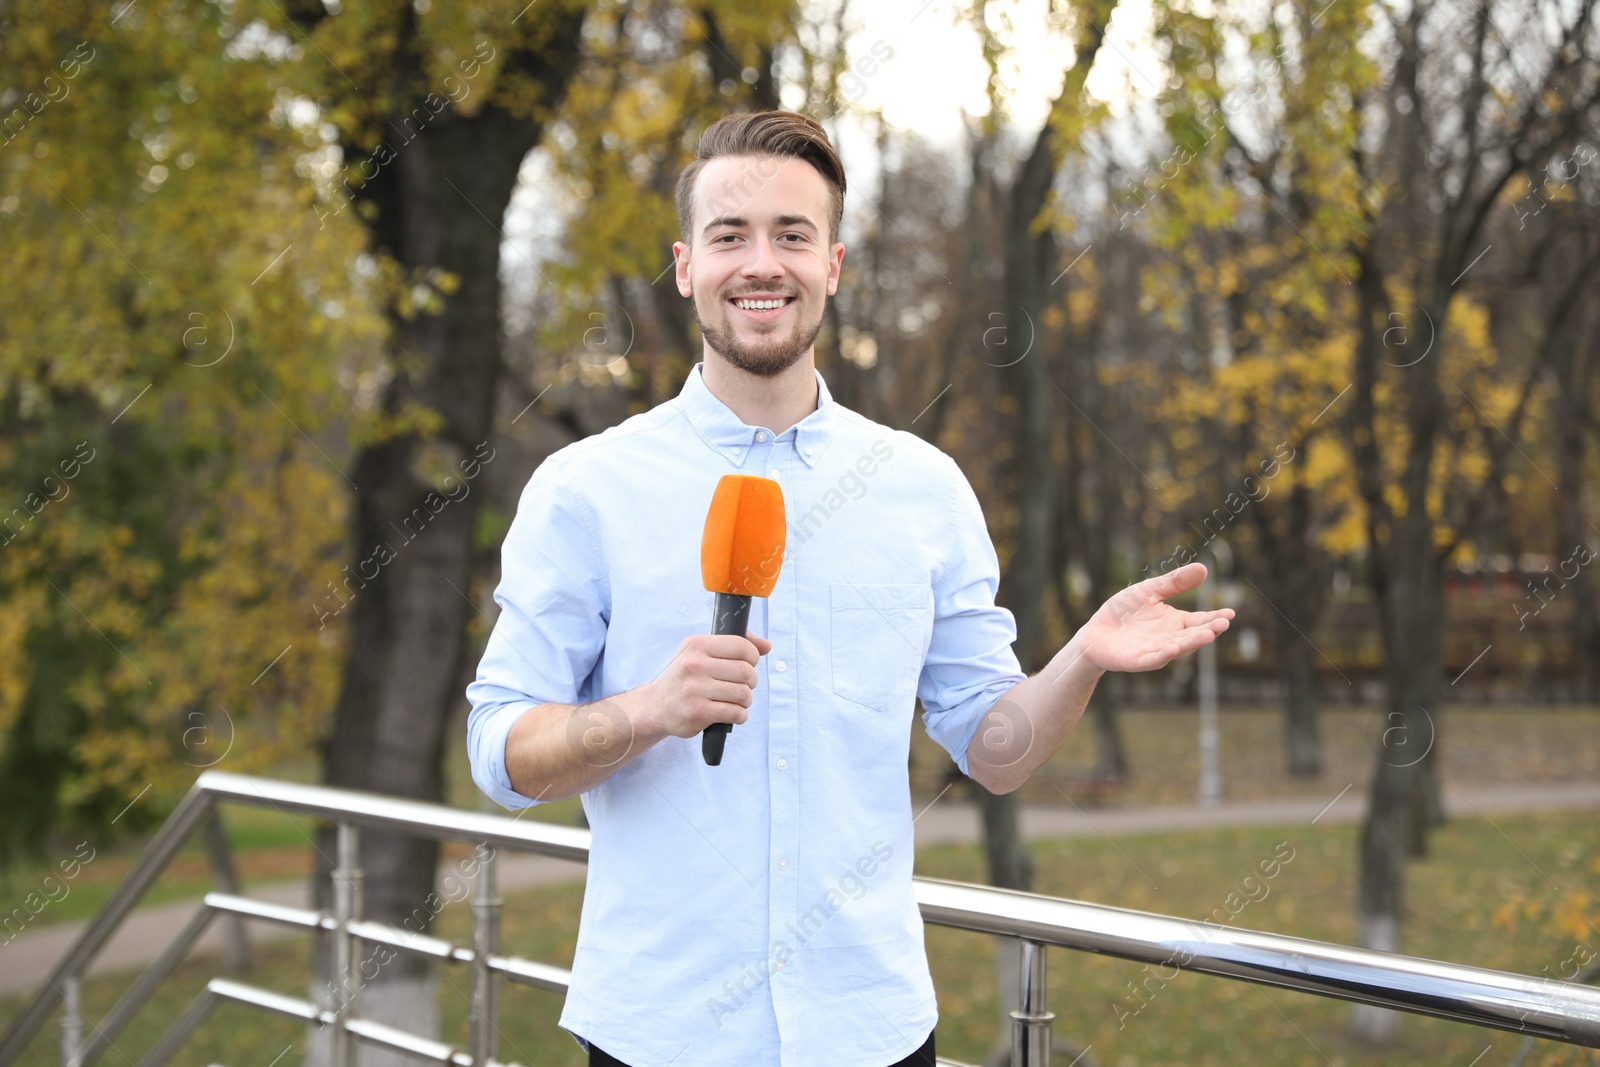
(774, 456)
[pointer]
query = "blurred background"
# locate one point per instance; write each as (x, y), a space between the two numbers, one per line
(296, 295)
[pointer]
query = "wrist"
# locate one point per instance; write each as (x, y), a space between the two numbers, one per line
(1077, 659)
(640, 706)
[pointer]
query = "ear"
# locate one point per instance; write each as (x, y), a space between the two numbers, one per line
(680, 255)
(835, 261)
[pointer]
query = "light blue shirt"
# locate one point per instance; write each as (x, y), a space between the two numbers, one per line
(759, 912)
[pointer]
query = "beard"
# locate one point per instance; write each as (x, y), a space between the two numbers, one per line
(768, 357)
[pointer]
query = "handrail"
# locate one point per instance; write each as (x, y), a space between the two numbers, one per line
(1494, 999)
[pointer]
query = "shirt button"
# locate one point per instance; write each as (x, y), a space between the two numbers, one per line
(762, 436)
(737, 451)
(783, 865)
(809, 451)
(772, 473)
(780, 666)
(783, 765)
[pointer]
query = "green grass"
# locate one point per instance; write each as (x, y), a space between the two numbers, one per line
(1553, 744)
(268, 846)
(1194, 1019)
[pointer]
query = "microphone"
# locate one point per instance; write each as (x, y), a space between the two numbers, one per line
(741, 552)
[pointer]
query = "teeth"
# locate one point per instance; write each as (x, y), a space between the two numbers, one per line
(759, 305)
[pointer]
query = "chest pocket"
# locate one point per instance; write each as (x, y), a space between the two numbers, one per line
(876, 641)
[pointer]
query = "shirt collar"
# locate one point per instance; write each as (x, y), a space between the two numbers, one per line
(727, 434)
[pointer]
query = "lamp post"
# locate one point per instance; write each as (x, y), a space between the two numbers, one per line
(1217, 556)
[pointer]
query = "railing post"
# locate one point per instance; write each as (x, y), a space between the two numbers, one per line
(71, 1021)
(346, 946)
(237, 939)
(1030, 1025)
(485, 942)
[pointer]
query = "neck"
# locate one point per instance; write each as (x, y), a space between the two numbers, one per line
(776, 403)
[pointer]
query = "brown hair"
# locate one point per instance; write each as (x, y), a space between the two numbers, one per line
(759, 133)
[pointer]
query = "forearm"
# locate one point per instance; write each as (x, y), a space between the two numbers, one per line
(1031, 721)
(555, 751)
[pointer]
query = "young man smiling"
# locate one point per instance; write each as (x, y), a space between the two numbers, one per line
(712, 930)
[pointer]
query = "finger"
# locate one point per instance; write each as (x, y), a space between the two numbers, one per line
(763, 646)
(732, 646)
(1178, 581)
(1156, 659)
(1185, 643)
(733, 672)
(730, 711)
(1192, 640)
(727, 693)
(1203, 618)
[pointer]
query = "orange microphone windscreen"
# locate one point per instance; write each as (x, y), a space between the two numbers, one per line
(741, 550)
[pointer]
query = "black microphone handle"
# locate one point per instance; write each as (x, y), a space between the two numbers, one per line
(730, 615)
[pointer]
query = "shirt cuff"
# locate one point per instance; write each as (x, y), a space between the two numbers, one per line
(489, 769)
(971, 713)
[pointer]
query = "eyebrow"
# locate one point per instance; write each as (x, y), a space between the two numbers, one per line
(740, 220)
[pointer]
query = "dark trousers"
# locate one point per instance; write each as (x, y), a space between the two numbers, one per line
(923, 1057)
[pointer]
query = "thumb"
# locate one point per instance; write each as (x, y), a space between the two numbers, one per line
(763, 646)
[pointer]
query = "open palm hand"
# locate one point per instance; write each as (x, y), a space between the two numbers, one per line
(1137, 630)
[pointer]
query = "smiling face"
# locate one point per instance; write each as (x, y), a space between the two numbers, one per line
(761, 268)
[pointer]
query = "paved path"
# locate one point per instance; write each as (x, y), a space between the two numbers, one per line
(26, 960)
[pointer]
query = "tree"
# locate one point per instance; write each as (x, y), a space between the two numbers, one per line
(1029, 248)
(434, 113)
(1455, 143)
(1268, 309)
(169, 517)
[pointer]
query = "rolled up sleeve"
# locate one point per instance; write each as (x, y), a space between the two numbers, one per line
(554, 606)
(970, 662)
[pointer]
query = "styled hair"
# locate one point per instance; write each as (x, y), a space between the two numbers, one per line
(761, 133)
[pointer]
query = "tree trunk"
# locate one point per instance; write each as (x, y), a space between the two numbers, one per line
(1028, 256)
(1302, 735)
(1407, 581)
(1010, 867)
(1294, 574)
(439, 204)
(1031, 571)
(1413, 614)
(1303, 587)
(1111, 759)
(1572, 424)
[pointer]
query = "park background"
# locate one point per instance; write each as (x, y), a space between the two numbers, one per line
(1307, 290)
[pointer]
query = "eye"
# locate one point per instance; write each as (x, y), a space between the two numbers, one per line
(801, 236)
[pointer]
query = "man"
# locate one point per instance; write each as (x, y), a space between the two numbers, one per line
(761, 912)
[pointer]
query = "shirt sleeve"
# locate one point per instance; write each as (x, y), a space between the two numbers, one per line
(970, 662)
(554, 606)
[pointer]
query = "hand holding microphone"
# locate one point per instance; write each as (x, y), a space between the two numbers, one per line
(712, 679)
(741, 552)
(710, 683)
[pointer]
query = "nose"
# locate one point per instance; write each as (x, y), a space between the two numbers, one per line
(761, 262)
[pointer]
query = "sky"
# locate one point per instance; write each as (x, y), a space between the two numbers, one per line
(934, 71)
(923, 66)
(935, 66)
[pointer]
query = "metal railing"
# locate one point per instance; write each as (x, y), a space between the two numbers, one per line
(1530, 1006)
